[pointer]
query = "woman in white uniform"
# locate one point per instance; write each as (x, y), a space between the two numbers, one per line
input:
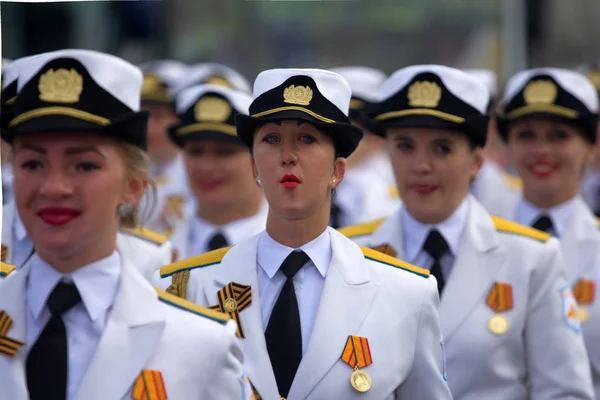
(146, 249)
(549, 119)
(79, 321)
(318, 316)
(229, 205)
(508, 317)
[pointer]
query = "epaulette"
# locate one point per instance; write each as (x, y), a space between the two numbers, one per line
(146, 234)
(6, 269)
(374, 255)
(367, 228)
(514, 182)
(191, 307)
(201, 261)
(506, 226)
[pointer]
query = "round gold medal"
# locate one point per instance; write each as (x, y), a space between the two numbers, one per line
(360, 381)
(230, 305)
(498, 325)
(584, 314)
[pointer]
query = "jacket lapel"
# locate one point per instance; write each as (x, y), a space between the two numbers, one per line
(347, 287)
(478, 262)
(580, 241)
(130, 337)
(241, 268)
(13, 290)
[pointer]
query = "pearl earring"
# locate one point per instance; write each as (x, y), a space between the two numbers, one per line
(258, 181)
(125, 210)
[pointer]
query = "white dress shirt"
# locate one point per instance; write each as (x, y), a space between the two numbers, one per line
(560, 215)
(308, 281)
(415, 233)
(97, 284)
(201, 231)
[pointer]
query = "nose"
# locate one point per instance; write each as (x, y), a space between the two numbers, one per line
(288, 154)
(421, 163)
(56, 185)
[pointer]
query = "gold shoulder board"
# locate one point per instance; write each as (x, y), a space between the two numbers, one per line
(506, 226)
(514, 182)
(201, 261)
(367, 228)
(6, 269)
(191, 307)
(374, 255)
(147, 235)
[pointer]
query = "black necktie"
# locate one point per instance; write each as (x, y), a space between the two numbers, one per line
(283, 335)
(544, 223)
(218, 241)
(436, 246)
(335, 218)
(47, 361)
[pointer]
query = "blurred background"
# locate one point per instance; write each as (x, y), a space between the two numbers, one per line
(501, 35)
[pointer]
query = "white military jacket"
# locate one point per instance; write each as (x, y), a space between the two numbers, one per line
(366, 294)
(147, 250)
(580, 245)
(147, 330)
(540, 353)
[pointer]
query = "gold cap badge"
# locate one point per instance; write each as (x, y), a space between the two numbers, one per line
(152, 86)
(301, 95)
(219, 80)
(61, 86)
(540, 92)
(424, 94)
(213, 109)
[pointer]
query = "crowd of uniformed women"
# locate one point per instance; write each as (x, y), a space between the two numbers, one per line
(171, 231)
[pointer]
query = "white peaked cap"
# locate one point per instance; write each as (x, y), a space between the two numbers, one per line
(202, 72)
(115, 75)
(364, 81)
(331, 85)
(572, 82)
(487, 77)
(188, 97)
(462, 85)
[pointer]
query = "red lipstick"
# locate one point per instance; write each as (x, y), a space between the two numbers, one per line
(58, 216)
(424, 190)
(290, 181)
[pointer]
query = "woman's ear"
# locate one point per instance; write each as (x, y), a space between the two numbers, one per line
(478, 159)
(339, 170)
(134, 190)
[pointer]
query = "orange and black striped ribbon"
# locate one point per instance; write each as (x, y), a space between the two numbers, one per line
(385, 249)
(242, 294)
(500, 298)
(149, 385)
(584, 291)
(357, 352)
(8, 346)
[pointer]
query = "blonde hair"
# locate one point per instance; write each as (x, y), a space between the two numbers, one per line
(136, 166)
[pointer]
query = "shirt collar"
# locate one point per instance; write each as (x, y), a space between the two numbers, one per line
(416, 232)
(560, 215)
(234, 231)
(271, 253)
(97, 284)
